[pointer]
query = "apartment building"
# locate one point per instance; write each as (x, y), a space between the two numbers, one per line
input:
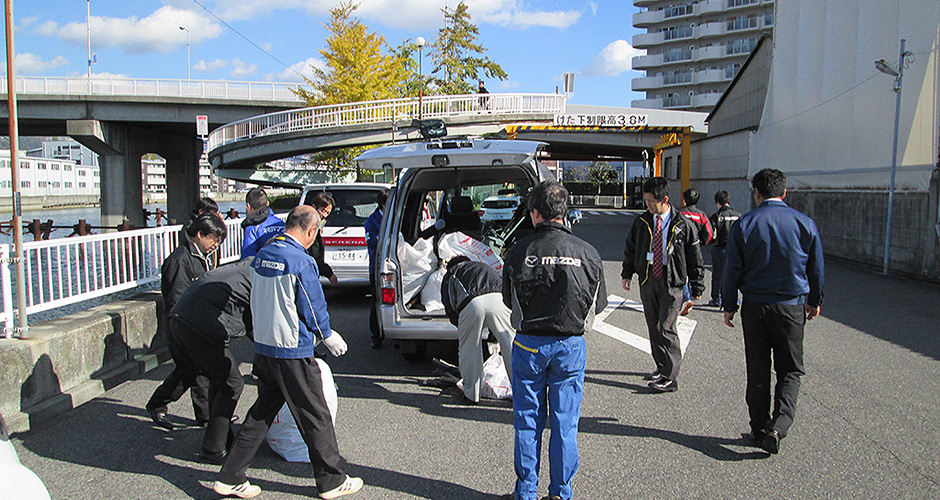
(48, 177)
(694, 48)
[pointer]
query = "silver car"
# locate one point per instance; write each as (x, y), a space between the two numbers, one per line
(452, 176)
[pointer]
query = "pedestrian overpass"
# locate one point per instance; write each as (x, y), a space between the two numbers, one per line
(240, 150)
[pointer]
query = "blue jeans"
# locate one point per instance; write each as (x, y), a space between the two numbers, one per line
(552, 366)
(686, 293)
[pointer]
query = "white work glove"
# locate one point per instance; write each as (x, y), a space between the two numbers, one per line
(439, 224)
(335, 344)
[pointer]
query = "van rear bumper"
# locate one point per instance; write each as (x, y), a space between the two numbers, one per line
(397, 327)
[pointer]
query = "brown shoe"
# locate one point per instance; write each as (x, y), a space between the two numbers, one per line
(686, 308)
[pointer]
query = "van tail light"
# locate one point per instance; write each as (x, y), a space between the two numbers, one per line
(480, 212)
(387, 282)
(340, 241)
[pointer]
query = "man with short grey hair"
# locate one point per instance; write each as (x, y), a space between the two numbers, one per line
(290, 318)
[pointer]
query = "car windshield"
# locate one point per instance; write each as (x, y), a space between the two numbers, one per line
(500, 204)
(352, 208)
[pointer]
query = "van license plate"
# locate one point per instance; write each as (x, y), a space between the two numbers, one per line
(346, 256)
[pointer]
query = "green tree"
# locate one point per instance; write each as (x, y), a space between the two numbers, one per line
(600, 172)
(360, 66)
(458, 60)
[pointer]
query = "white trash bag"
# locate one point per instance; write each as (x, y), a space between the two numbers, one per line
(495, 383)
(431, 293)
(284, 437)
(457, 243)
(417, 263)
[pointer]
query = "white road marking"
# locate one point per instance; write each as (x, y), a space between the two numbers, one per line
(610, 213)
(593, 212)
(685, 326)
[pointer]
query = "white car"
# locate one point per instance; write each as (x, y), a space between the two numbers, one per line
(499, 209)
(344, 237)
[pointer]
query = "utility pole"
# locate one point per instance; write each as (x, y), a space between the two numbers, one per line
(22, 327)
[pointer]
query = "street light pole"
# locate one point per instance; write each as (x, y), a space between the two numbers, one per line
(421, 42)
(88, 36)
(899, 74)
(22, 328)
(187, 51)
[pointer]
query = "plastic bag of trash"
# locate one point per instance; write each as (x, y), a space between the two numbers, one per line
(417, 263)
(431, 293)
(457, 243)
(284, 437)
(495, 383)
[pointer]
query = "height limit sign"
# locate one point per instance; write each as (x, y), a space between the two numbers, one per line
(202, 125)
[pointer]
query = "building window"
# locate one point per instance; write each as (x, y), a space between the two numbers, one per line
(42, 184)
(675, 33)
(769, 19)
(81, 184)
(68, 184)
(55, 166)
(24, 165)
(67, 168)
(744, 23)
(677, 77)
(678, 10)
(96, 173)
(97, 185)
(740, 3)
(82, 173)
(24, 184)
(677, 54)
(742, 46)
(42, 166)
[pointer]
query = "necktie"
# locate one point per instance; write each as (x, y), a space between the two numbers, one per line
(658, 248)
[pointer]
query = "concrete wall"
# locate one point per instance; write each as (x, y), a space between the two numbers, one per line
(69, 361)
(852, 225)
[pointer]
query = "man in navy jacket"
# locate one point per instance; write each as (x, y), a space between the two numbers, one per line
(260, 224)
(775, 257)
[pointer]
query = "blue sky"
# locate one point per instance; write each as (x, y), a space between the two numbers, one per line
(534, 41)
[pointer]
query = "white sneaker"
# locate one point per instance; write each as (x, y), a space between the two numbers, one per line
(244, 490)
(349, 486)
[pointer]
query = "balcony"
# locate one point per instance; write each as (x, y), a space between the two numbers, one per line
(708, 53)
(648, 83)
(705, 100)
(647, 103)
(648, 18)
(644, 40)
(677, 101)
(709, 76)
(709, 30)
(710, 7)
(647, 61)
(644, 3)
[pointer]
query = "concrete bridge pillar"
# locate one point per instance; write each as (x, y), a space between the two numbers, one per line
(121, 184)
(182, 155)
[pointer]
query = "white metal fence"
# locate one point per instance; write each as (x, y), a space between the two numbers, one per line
(64, 271)
(439, 106)
(209, 89)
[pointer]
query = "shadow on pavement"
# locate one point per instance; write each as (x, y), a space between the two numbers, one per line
(896, 310)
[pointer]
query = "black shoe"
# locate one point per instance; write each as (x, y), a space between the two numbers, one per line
(653, 376)
(159, 417)
(202, 423)
(664, 385)
(714, 303)
(212, 458)
(757, 436)
(771, 442)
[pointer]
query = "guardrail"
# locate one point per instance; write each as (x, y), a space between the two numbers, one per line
(64, 271)
(366, 112)
(209, 89)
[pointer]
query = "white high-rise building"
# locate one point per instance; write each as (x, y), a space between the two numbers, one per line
(694, 48)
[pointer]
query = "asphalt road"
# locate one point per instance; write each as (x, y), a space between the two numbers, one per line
(867, 423)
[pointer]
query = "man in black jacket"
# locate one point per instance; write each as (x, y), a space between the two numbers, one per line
(209, 314)
(472, 295)
(721, 222)
(323, 203)
(663, 250)
(554, 282)
(187, 262)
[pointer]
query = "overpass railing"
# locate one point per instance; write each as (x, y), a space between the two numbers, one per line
(64, 271)
(369, 112)
(208, 89)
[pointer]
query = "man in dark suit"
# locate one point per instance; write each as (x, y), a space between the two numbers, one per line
(775, 257)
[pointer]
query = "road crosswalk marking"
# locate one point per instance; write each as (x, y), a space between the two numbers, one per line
(685, 326)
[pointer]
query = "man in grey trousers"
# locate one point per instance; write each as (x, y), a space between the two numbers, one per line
(472, 296)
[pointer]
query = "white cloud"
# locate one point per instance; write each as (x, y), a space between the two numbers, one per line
(202, 65)
(291, 74)
(110, 76)
(241, 68)
(507, 85)
(31, 64)
(407, 14)
(158, 32)
(47, 28)
(612, 60)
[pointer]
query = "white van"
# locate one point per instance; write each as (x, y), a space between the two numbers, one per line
(344, 237)
(454, 177)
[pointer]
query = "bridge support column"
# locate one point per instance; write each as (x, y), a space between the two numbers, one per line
(120, 182)
(182, 155)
